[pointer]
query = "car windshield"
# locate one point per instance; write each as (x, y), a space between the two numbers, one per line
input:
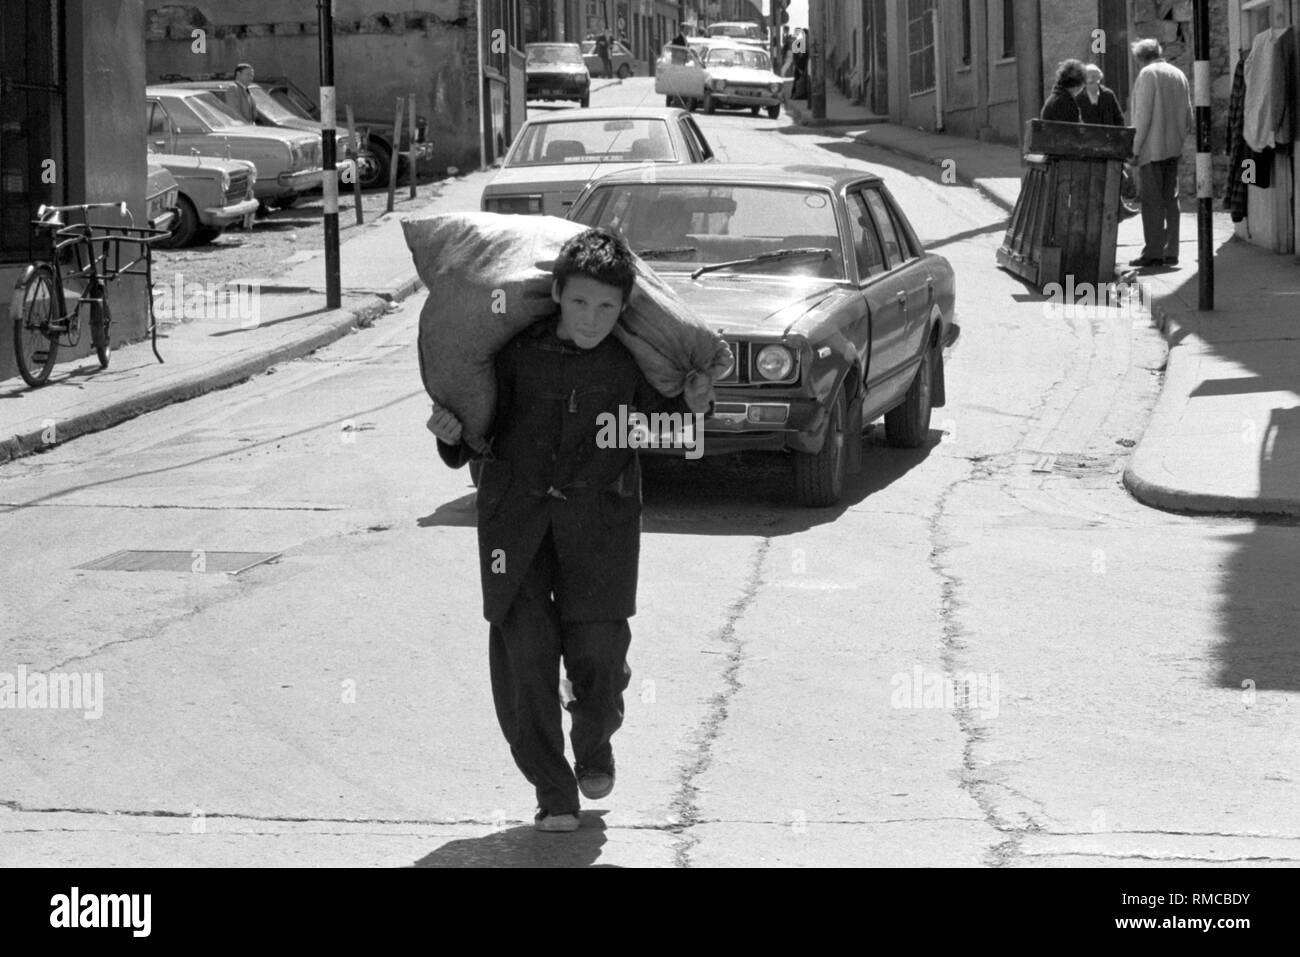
(746, 31)
(730, 56)
(271, 108)
(680, 227)
(594, 141)
(210, 111)
(553, 54)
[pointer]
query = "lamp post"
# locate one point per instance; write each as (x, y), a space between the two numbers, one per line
(1204, 163)
(329, 175)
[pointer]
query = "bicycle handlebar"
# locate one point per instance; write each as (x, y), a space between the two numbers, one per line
(43, 210)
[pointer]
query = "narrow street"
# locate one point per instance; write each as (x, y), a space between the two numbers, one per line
(331, 707)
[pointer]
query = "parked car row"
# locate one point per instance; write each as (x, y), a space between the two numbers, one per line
(835, 313)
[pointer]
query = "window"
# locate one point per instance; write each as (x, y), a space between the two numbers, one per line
(1008, 28)
(920, 45)
(885, 224)
(32, 167)
(965, 32)
(866, 244)
(157, 120)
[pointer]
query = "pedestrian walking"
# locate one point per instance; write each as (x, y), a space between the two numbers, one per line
(1097, 102)
(1061, 105)
(559, 526)
(1162, 116)
(243, 98)
(602, 51)
(799, 48)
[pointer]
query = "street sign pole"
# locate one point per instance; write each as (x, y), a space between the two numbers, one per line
(1204, 164)
(817, 60)
(329, 174)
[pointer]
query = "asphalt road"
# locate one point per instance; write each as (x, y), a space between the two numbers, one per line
(1131, 673)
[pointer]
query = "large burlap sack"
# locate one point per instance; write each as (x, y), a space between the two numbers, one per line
(489, 278)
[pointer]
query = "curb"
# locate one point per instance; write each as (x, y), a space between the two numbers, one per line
(1168, 498)
(212, 378)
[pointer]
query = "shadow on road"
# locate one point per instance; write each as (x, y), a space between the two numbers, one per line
(525, 847)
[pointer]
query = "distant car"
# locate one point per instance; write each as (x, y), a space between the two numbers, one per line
(747, 33)
(556, 71)
(269, 112)
(555, 155)
(214, 193)
(180, 120)
(620, 58)
(679, 76)
(835, 313)
(160, 195)
(739, 76)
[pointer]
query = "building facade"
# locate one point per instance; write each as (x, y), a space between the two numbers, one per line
(72, 130)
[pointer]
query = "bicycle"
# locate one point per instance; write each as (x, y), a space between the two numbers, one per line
(39, 307)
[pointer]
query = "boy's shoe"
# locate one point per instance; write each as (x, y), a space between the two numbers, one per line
(594, 783)
(556, 823)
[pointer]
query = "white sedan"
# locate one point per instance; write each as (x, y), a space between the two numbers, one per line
(741, 77)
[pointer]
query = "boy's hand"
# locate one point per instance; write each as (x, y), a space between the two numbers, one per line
(444, 425)
(698, 392)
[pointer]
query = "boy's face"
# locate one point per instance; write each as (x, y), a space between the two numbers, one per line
(588, 310)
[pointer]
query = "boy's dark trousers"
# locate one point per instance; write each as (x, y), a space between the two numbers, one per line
(525, 651)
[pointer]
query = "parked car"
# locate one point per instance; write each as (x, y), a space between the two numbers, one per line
(213, 193)
(181, 120)
(620, 58)
(555, 155)
(747, 33)
(834, 311)
(556, 71)
(269, 112)
(679, 76)
(739, 76)
(160, 194)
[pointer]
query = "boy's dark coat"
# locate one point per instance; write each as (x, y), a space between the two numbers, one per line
(546, 471)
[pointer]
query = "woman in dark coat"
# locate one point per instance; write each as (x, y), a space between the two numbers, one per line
(1061, 106)
(1097, 103)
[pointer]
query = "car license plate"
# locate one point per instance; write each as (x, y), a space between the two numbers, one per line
(552, 93)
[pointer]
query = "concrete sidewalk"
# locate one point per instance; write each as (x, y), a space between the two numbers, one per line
(1225, 433)
(287, 320)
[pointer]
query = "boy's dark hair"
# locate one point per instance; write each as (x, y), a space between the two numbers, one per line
(599, 255)
(1070, 73)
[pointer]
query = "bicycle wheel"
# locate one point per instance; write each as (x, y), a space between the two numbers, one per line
(31, 309)
(100, 320)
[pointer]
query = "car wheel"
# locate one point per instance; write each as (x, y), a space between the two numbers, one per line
(774, 112)
(187, 224)
(710, 106)
(372, 165)
(819, 478)
(753, 111)
(585, 101)
(624, 71)
(205, 234)
(907, 426)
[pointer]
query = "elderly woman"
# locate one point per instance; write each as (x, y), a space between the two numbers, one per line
(1061, 105)
(1098, 103)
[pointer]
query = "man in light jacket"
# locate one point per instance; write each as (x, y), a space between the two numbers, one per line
(1162, 113)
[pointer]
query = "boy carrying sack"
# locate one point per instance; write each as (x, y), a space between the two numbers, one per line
(559, 507)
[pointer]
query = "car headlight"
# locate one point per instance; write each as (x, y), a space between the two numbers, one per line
(775, 88)
(524, 205)
(225, 181)
(774, 363)
(717, 84)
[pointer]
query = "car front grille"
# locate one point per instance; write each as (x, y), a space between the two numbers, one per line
(238, 188)
(748, 89)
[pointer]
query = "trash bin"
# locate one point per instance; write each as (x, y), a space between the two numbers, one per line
(1067, 216)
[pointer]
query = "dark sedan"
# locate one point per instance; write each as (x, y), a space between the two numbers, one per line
(834, 311)
(556, 71)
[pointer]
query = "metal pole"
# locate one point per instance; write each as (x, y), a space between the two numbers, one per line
(938, 70)
(1204, 164)
(329, 176)
(816, 55)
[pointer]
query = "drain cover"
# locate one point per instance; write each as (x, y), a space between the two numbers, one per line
(197, 560)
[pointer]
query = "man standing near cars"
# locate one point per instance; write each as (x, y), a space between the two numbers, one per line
(602, 51)
(243, 98)
(1162, 114)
